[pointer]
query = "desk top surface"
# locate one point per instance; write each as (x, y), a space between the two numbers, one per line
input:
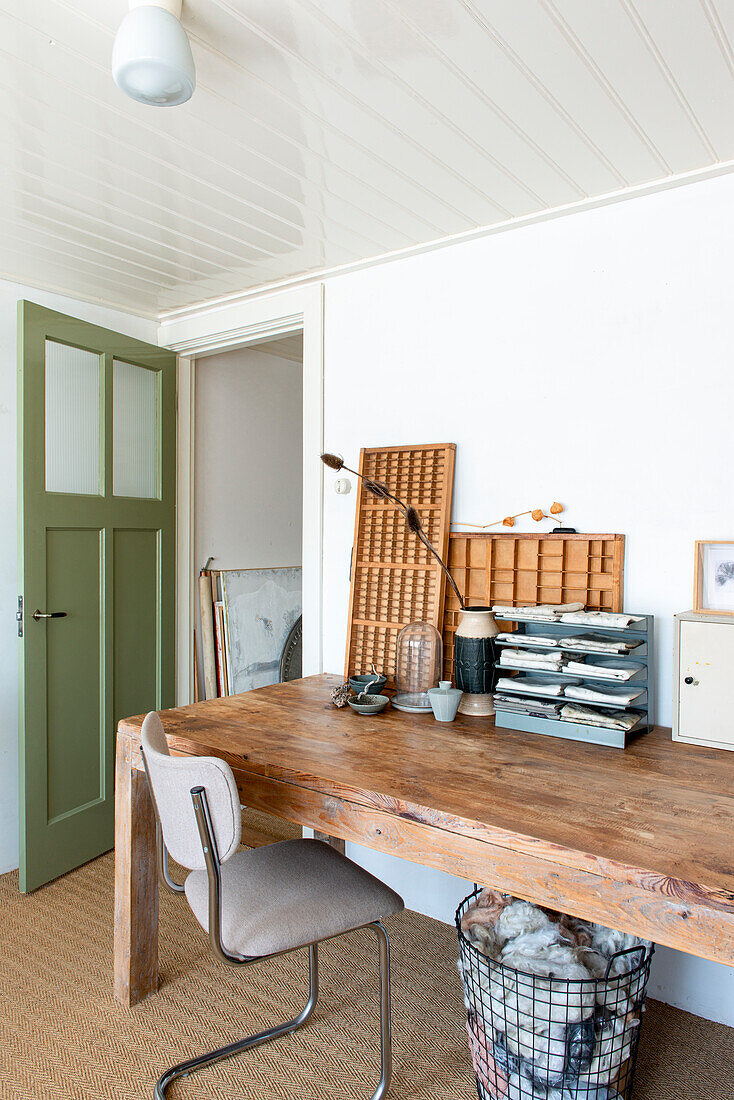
(657, 807)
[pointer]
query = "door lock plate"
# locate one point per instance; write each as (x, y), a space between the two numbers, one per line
(19, 616)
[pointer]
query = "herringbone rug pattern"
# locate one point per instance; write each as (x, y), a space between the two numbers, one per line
(63, 1037)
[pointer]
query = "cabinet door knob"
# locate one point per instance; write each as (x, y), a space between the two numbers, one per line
(689, 680)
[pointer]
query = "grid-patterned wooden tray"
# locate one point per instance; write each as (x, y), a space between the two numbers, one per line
(532, 569)
(395, 581)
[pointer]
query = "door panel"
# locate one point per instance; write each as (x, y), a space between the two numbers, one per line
(73, 412)
(136, 664)
(135, 430)
(97, 411)
(74, 749)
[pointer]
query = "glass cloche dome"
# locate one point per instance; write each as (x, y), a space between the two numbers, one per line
(419, 665)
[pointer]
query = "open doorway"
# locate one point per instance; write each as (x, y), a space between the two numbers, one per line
(248, 516)
(213, 331)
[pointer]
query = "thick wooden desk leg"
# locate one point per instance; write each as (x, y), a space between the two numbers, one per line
(334, 841)
(136, 883)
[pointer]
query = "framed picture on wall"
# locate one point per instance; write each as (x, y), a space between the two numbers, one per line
(713, 585)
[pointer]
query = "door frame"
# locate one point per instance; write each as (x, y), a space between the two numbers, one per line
(213, 330)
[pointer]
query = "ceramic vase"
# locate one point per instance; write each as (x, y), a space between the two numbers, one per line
(474, 657)
(445, 701)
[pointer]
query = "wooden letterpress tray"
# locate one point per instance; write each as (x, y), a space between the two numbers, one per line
(532, 569)
(395, 581)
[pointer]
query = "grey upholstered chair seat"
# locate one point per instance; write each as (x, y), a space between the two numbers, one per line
(283, 896)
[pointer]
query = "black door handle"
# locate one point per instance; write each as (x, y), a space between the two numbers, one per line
(48, 614)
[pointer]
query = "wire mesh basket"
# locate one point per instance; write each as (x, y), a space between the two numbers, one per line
(534, 1037)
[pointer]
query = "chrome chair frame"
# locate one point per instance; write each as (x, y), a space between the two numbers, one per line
(214, 875)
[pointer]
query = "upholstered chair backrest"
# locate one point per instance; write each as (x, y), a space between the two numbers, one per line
(171, 778)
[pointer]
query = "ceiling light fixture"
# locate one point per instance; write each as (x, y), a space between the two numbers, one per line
(151, 56)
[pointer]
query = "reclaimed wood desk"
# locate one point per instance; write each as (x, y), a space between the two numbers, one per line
(640, 839)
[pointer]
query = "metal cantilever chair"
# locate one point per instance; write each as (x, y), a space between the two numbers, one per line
(262, 902)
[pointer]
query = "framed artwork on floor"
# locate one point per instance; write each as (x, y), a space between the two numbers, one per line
(261, 607)
(713, 585)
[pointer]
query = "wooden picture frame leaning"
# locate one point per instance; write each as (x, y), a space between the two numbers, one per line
(713, 571)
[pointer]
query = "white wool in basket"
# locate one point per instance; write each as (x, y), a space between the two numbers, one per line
(518, 918)
(607, 942)
(545, 1049)
(595, 963)
(544, 953)
(538, 1005)
(613, 1046)
(532, 1003)
(541, 954)
(484, 937)
(520, 1088)
(620, 995)
(538, 939)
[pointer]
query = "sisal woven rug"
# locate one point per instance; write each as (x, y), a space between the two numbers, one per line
(63, 1037)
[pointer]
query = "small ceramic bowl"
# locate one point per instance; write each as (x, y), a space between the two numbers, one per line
(369, 704)
(359, 683)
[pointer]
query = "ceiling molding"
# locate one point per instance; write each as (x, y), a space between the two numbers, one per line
(230, 338)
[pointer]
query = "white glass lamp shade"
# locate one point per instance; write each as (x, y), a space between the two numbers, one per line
(151, 58)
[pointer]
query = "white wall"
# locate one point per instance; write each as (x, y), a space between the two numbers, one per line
(248, 496)
(10, 293)
(586, 360)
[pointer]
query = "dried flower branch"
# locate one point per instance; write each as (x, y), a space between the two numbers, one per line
(509, 521)
(334, 462)
(412, 519)
(377, 489)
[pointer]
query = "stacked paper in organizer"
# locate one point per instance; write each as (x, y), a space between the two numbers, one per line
(605, 668)
(599, 643)
(548, 661)
(534, 685)
(565, 613)
(520, 704)
(538, 641)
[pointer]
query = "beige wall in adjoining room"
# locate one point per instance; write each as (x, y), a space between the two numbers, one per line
(248, 462)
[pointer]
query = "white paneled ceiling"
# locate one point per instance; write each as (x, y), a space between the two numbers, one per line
(324, 132)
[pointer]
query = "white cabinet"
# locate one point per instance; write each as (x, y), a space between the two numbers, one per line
(703, 707)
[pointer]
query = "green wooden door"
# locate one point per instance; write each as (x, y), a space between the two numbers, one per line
(96, 439)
